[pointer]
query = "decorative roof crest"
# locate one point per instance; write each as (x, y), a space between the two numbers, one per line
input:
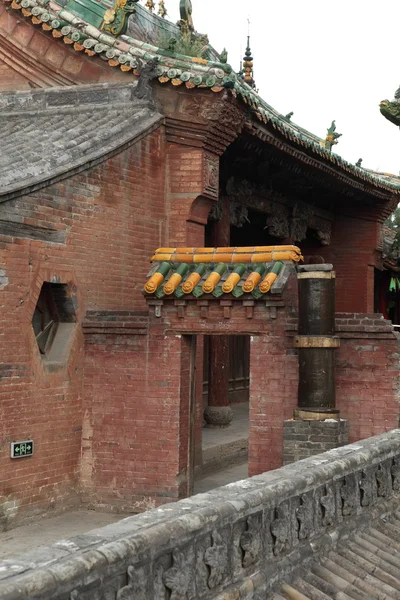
(185, 8)
(162, 11)
(115, 19)
(248, 75)
(331, 137)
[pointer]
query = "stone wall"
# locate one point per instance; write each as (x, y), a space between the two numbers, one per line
(238, 541)
(302, 439)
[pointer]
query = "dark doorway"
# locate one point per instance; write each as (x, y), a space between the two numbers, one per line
(225, 450)
(239, 352)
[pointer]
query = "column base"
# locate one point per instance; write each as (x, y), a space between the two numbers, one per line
(305, 438)
(218, 416)
(309, 414)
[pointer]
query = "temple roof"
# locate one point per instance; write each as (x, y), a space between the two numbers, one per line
(49, 133)
(128, 54)
(247, 271)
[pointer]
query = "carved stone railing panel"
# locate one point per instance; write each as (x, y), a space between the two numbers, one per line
(350, 494)
(368, 487)
(244, 536)
(251, 541)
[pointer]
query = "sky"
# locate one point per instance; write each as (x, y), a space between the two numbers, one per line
(321, 59)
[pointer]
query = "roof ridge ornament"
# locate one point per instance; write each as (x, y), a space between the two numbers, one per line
(331, 137)
(115, 19)
(248, 75)
(391, 110)
(185, 8)
(162, 11)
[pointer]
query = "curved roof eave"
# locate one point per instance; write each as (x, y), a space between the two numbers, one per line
(128, 54)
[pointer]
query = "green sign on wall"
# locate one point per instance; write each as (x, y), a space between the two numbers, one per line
(21, 449)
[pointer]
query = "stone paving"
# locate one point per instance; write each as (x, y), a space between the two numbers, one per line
(48, 530)
(225, 448)
(229, 475)
(238, 429)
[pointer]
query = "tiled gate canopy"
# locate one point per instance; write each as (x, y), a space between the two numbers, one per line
(246, 271)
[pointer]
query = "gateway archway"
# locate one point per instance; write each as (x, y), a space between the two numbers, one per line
(229, 292)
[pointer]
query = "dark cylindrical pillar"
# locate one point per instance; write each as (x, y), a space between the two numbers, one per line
(316, 341)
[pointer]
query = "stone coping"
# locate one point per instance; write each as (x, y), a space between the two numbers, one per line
(249, 533)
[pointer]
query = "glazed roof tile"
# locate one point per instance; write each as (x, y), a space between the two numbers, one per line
(149, 27)
(366, 566)
(49, 133)
(126, 53)
(215, 272)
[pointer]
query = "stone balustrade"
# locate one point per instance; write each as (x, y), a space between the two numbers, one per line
(238, 541)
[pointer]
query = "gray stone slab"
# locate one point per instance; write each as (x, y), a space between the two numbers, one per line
(313, 268)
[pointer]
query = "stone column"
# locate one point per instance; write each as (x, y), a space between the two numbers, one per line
(218, 412)
(316, 426)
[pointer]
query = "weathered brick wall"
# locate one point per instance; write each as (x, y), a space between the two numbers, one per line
(135, 420)
(352, 252)
(112, 217)
(273, 397)
(238, 541)
(367, 374)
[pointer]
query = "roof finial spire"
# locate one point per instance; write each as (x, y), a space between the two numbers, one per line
(248, 74)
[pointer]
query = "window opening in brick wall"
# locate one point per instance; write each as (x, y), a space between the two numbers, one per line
(45, 319)
(53, 321)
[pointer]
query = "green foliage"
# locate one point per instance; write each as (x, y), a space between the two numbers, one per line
(187, 44)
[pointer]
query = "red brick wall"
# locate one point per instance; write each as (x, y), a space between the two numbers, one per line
(273, 397)
(136, 419)
(367, 374)
(184, 185)
(114, 217)
(273, 387)
(367, 383)
(352, 253)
